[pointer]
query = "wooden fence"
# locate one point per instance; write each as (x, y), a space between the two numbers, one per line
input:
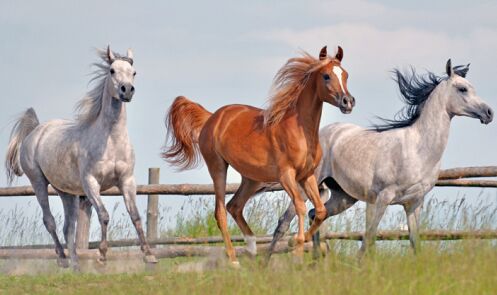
(456, 177)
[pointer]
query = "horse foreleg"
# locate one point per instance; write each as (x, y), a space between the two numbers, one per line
(413, 211)
(338, 202)
(373, 219)
(310, 187)
(91, 187)
(291, 187)
(128, 189)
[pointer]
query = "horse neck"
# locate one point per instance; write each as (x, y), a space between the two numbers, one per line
(432, 127)
(112, 118)
(309, 109)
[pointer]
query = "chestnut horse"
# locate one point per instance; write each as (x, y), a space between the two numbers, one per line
(279, 144)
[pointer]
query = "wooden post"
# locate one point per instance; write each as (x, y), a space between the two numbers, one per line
(153, 206)
(83, 224)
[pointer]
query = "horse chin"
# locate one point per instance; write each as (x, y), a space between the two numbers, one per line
(485, 121)
(346, 110)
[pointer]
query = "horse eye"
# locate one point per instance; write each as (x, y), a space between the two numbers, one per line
(134, 74)
(326, 77)
(112, 71)
(462, 89)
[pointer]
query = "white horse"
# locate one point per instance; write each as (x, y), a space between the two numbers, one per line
(397, 162)
(82, 157)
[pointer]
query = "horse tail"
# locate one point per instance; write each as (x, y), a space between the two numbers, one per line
(184, 121)
(23, 126)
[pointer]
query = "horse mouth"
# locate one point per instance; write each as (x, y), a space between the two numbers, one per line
(346, 110)
(485, 121)
(124, 99)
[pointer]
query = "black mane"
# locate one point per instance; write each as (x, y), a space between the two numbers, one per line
(415, 90)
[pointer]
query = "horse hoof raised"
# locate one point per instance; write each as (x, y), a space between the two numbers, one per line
(150, 259)
(63, 262)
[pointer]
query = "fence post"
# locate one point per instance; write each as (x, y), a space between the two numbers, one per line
(153, 206)
(83, 224)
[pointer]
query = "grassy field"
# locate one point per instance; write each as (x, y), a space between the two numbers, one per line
(467, 267)
(446, 267)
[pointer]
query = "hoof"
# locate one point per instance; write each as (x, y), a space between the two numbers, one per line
(150, 259)
(63, 262)
(292, 242)
(298, 259)
(76, 268)
(102, 261)
(235, 264)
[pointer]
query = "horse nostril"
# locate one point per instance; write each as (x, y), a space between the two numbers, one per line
(345, 101)
(123, 88)
(490, 113)
(132, 88)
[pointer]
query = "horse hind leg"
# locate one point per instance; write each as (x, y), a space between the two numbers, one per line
(338, 202)
(218, 170)
(235, 208)
(40, 187)
(71, 211)
(283, 225)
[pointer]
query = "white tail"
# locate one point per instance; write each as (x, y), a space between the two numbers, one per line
(23, 126)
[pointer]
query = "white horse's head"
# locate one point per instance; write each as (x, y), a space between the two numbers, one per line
(463, 100)
(121, 76)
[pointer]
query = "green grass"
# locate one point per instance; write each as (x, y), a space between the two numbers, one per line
(469, 267)
(446, 267)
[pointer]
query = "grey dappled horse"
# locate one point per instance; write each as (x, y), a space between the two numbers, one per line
(82, 157)
(397, 162)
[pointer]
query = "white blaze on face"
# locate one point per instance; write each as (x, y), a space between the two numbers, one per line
(338, 72)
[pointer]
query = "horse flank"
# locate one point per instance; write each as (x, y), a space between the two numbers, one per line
(288, 83)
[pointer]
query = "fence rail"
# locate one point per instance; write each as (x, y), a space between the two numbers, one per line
(449, 177)
(185, 246)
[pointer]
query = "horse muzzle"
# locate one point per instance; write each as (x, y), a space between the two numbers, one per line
(486, 114)
(346, 104)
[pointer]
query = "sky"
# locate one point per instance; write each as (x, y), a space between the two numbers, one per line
(225, 52)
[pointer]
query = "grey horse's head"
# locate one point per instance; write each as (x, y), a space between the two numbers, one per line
(463, 100)
(121, 76)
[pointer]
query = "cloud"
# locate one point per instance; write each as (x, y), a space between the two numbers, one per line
(375, 51)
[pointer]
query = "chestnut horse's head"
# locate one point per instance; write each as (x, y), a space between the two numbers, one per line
(331, 82)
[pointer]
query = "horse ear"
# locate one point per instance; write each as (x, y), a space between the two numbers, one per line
(448, 68)
(129, 53)
(110, 55)
(323, 53)
(339, 54)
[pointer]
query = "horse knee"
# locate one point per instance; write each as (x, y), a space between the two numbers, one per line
(103, 216)
(233, 208)
(49, 223)
(319, 214)
(135, 217)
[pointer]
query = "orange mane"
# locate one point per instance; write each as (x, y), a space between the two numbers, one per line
(288, 83)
